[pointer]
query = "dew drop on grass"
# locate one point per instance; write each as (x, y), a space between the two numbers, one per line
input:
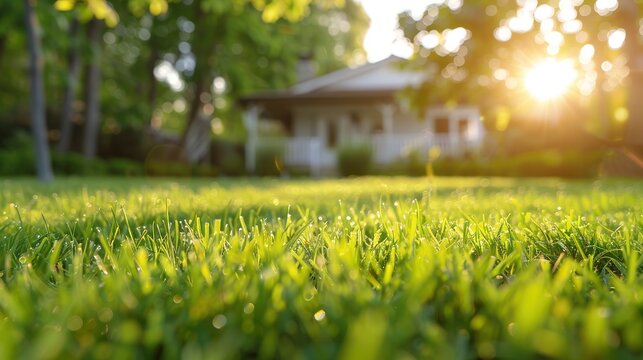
(511, 328)
(604, 312)
(177, 299)
(487, 350)
(268, 273)
(74, 323)
(320, 261)
(310, 294)
(320, 315)
(23, 259)
(219, 321)
(249, 308)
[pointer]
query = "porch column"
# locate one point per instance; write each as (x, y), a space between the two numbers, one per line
(344, 122)
(454, 135)
(365, 124)
(250, 121)
(387, 113)
(320, 145)
(475, 121)
(314, 157)
(322, 129)
(388, 152)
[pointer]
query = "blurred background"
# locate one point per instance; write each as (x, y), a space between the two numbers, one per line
(165, 88)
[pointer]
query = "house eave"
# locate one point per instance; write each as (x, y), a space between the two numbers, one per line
(325, 97)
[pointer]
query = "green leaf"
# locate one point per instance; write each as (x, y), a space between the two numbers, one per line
(158, 7)
(64, 5)
(272, 12)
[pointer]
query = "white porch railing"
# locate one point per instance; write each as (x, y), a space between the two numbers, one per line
(304, 151)
(312, 153)
(299, 151)
(388, 148)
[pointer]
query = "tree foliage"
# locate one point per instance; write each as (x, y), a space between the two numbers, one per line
(479, 51)
(158, 60)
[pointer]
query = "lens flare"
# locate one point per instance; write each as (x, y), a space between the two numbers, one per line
(550, 79)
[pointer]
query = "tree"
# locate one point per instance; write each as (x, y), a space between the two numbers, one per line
(38, 117)
(92, 90)
(214, 28)
(628, 17)
(73, 65)
(244, 44)
(37, 86)
(258, 48)
(500, 40)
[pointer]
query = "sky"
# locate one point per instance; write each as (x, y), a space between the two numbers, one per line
(381, 39)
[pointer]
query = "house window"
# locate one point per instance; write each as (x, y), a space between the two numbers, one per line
(331, 135)
(441, 125)
(463, 126)
(377, 127)
(288, 125)
(355, 120)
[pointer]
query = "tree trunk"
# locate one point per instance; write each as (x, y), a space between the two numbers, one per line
(38, 117)
(602, 97)
(196, 104)
(629, 16)
(3, 46)
(70, 90)
(634, 127)
(92, 87)
(152, 89)
(202, 78)
(192, 129)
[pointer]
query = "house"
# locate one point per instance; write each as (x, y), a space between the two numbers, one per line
(356, 105)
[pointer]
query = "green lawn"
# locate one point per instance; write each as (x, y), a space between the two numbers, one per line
(357, 269)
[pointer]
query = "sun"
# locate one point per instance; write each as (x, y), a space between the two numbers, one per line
(550, 79)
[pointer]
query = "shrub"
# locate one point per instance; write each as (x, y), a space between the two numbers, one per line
(129, 143)
(269, 159)
(568, 164)
(17, 162)
(17, 156)
(232, 165)
(76, 164)
(354, 160)
(12, 132)
(124, 167)
(228, 156)
(178, 169)
(415, 163)
(167, 168)
(204, 171)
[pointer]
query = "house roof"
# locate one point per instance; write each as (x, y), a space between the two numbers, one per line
(370, 82)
